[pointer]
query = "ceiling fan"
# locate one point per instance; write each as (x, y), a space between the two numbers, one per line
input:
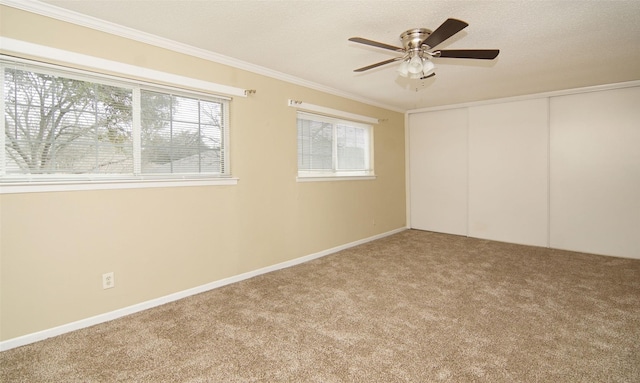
(418, 50)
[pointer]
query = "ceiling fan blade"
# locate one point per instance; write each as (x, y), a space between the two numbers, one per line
(485, 54)
(377, 64)
(447, 29)
(375, 44)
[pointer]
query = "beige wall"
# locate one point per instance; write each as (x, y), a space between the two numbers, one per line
(55, 246)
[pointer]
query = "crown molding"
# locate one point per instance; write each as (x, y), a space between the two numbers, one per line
(76, 18)
(555, 93)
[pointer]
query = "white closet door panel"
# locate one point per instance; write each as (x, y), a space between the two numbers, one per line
(438, 171)
(595, 172)
(508, 172)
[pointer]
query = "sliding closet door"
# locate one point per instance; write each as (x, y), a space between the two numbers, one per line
(595, 172)
(508, 172)
(438, 171)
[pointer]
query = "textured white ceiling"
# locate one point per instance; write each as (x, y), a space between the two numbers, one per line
(545, 45)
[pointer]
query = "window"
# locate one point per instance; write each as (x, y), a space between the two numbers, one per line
(181, 134)
(59, 125)
(330, 147)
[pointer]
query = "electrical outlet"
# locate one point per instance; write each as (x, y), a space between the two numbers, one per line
(108, 280)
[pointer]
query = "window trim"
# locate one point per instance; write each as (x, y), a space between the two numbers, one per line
(63, 182)
(338, 175)
(127, 72)
(318, 178)
(110, 184)
(324, 111)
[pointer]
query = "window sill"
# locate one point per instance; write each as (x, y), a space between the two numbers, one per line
(324, 178)
(58, 186)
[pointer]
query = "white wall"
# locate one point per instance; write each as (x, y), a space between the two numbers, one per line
(559, 170)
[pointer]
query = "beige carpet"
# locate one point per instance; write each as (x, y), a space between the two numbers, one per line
(412, 307)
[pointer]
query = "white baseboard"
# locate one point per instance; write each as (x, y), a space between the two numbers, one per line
(87, 322)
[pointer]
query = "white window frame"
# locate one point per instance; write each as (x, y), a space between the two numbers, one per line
(336, 174)
(49, 183)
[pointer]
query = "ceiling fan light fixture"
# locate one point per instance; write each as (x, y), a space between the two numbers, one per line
(428, 67)
(415, 64)
(416, 67)
(403, 68)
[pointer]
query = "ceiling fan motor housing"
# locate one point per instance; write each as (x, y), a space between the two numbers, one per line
(413, 39)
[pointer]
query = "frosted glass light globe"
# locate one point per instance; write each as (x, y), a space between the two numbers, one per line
(427, 67)
(403, 69)
(415, 65)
